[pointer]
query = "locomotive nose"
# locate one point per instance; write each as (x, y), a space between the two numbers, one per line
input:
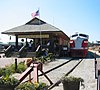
(78, 38)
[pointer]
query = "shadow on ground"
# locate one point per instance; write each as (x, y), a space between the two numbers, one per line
(92, 55)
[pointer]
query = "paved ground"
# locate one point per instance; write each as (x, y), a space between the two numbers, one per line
(86, 70)
(9, 61)
(58, 73)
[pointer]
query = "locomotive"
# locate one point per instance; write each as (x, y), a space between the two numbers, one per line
(79, 45)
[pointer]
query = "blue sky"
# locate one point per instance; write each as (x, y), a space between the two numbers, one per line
(68, 15)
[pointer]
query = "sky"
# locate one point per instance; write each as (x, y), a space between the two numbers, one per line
(70, 16)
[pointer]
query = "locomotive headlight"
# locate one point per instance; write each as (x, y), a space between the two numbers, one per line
(85, 43)
(72, 43)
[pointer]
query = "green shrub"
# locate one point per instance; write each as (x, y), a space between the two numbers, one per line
(41, 86)
(9, 70)
(1, 71)
(21, 67)
(72, 83)
(72, 78)
(44, 59)
(6, 80)
(26, 86)
(31, 86)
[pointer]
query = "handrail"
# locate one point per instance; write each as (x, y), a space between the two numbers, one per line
(38, 48)
(8, 50)
(21, 50)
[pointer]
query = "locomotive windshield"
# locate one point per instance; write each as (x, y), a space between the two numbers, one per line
(80, 35)
(75, 35)
(83, 35)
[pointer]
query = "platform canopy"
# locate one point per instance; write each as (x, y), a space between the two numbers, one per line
(35, 27)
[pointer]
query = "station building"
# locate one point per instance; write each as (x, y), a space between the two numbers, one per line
(40, 33)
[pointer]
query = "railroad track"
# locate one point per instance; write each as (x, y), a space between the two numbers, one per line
(56, 67)
(60, 68)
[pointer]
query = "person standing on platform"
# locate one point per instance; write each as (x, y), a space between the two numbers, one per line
(30, 46)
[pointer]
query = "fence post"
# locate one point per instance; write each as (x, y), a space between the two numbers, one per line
(95, 55)
(98, 83)
(15, 64)
(96, 71)
(35, 79)
(37, 66)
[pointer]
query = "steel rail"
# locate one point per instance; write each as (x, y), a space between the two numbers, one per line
(56, 67)
(59, 81)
